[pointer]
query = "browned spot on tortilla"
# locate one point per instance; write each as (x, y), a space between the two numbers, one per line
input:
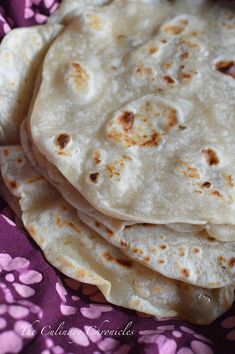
(63, 140)
(181, 252)
(80, 273)
(206, 184)
(184, 75)
(126, 157)
(147, 259)
(154, 141)
(19, 160)
(196, 250)
(12, 184)
(120, 261)
(185, 56)
(113, 171)
(166, 65)
(124, 262)
(182, 127)
(226, 67)
(173, 29)
(80, 75)
(97, 157)
(94, 177)
(109, 232)
(229, 180)
(172, 120)
(73, 226)
(97, 224)
(161, 261)
(121, 36)
(58, 221)
(32, 230)
(163, 246)
(185, 272)
(217, 194)
(210, 156)
(123, 243)
(188, 170)
(6, 152)
(34, 179)
(169, 79)
(138, 250)
(63, 153)
(153, 50)
(127, 120)
(164, 41)
(108, 256)
(198, 191)
(231, 262)
(210, 238)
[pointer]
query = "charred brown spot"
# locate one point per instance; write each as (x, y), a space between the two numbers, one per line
(153, 50)
(108, 256)
(97, 157)
(94, 177)
(62, 140)
(181, 252)
(206, 184)
(231, 262)
(124, 262)
(127, 120)
(229, 180)
(217, 194)
(74, 227)
(123, 243)
(210, 238)
(188, 170)
(226, 67)
(147, 259)
(183, 75)
(109, 232)
(6, 152)
(13, 184)
(161, 261)
(97, 224)
(163, 246)
(19, 160)
(185, 56)
(196, 250)
(58, 221)
(138, 250)
(32, 230)
(182, 127)
(185, 272)
(34, 179)
(210, 156)
(169, 79)
(172, 120)
(173, 29)
(154, 141)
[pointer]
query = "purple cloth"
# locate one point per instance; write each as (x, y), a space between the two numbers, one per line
(44, 312)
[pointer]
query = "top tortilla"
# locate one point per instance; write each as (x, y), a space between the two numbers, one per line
(130, 111)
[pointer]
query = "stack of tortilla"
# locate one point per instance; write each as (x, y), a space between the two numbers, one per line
(117, 129)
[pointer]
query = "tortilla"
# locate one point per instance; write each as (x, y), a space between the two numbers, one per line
(21, 53)
(134, 121)
(175, 254)
(81, 254)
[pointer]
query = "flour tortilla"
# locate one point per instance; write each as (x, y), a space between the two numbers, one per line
(81, 254)
(178, 255)
(221, 232)
(130, 111)
(21, 53)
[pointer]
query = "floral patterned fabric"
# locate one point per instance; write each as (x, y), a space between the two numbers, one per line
(44, 312)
